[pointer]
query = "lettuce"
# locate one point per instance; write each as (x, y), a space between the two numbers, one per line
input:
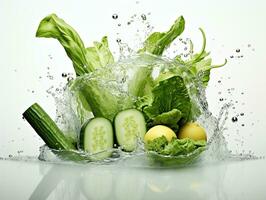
(85, 60)
(54, 27)
(158, 41)
(168, 104)
(175, 147)
(165, 100)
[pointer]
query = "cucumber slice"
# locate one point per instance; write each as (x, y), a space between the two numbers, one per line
(96, 136)
(129, 125)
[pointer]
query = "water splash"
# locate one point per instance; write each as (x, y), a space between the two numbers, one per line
(116, 79)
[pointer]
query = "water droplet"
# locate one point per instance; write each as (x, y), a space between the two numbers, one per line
(118, 24)
(185, 48)
(231, 56)
(237, 50)
(10, 156)
(70, 79)
(64, 75)
(32, 91)
(128, 23)
(242, 56)
(114, 16)
(242, 124)
(221, 99)
(143, 17)
(242, 93)
(234, 119)
(219, 92)
(241, 114)
(118, 40)
(219, 81)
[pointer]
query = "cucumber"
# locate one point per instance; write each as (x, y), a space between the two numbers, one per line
(47, 129)
(96, 136)
(129, 126)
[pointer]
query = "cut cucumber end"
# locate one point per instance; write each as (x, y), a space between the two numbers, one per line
(96, 138)
(129, 126)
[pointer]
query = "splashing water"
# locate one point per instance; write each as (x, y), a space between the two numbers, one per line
(116, 79)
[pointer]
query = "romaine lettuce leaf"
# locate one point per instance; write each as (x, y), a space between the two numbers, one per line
(54, 27)
(157, 41)
(84, 60)
(169, 99)
(99, 55)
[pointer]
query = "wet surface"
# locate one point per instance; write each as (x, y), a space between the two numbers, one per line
(39, 180)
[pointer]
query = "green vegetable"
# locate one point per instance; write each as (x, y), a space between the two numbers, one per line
(54, 27)
(169, 103)
(198, 64)
(141, 82)
(175, 147)
(170, 118)
(46, 128)
(102, 102)
(129, 126)
(96, 136)
(99, 55)
(84, 60)
(157, 42)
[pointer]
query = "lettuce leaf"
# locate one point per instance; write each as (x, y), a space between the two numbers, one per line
(170, 119)
(54, 27)
(99, 55)
(158, 41)
(175, 147)
(84, 60)
(169, 103)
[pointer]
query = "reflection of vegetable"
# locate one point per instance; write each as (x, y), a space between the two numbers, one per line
(129, 125)
(193, 131)
(96, 136)
(175, 147)
(159, 131)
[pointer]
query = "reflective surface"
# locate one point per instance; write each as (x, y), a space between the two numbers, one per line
(38, 180)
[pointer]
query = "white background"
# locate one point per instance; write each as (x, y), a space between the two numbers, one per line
(228, 24)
